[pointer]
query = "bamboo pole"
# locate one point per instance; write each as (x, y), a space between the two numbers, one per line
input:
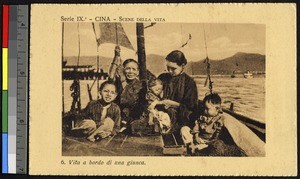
(79, 95)
(141, 59)
(98, 70)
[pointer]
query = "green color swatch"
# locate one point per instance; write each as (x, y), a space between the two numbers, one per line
(4, 111)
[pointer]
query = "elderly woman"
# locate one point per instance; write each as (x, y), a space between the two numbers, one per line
(129, 92)
(180, 91)
(128, 86)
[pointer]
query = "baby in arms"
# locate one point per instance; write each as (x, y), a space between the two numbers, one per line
(156, 111)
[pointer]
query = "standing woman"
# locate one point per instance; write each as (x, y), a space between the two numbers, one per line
(180, 91)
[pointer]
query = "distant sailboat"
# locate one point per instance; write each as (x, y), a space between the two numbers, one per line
(248, 74)
(233, 74)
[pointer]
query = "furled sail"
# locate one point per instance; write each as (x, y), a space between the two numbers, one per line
(114, 33)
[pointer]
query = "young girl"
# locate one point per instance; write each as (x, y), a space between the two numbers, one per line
(101, 118)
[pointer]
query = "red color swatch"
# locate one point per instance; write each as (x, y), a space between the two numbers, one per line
(5, 26)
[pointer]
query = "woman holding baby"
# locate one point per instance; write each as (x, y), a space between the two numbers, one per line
(179, 94)
(180, 91)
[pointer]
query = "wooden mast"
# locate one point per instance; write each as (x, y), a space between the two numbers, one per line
(141, 59)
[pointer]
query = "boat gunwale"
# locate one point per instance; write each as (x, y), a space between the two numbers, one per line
(245, 118)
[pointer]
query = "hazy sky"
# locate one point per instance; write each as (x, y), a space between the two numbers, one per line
(223, 40)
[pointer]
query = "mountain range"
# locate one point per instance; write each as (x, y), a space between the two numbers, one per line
(239, 62)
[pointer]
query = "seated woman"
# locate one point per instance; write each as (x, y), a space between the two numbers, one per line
(129, 93)
(179, 92)
(130, 90)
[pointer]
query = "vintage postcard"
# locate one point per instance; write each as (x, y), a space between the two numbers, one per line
(163, 89)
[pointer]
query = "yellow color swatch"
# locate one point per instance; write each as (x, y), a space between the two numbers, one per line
(4, 68)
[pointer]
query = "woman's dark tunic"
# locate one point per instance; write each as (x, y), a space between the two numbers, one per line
(129, 101)
(182, 89)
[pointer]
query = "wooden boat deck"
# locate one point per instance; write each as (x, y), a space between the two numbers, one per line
(151, 145)
(120, 145)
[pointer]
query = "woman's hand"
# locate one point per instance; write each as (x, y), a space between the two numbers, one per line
(169, 103)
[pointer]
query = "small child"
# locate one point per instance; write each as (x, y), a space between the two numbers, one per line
(208, 126)
(154, 114)
(154, 98)
(101, 117)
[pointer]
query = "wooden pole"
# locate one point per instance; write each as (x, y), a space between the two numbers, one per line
(98, 68)
(79, 95)
(141, 58)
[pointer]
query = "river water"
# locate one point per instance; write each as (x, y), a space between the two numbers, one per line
(248, 95)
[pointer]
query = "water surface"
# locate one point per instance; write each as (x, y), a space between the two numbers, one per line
(248, 95)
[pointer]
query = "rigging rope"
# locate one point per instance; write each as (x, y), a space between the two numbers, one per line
(208, 78)
(98, 69)
(189, 38)
(117, 40)
(152, 24)
(98, 40)
(181, 34)
(78, 45)
(75, 87)
(184, 44)
(205, 41)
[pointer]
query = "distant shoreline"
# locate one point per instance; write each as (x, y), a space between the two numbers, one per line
(228, 76)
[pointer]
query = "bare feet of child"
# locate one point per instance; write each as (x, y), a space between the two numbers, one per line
(197, 147)
(91, 138)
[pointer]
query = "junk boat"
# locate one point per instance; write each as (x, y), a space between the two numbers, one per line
(246, 133)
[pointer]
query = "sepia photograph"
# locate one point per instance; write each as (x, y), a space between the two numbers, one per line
(163, 89)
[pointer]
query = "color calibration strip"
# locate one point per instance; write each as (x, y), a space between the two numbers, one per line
(14, 88)
(5, 30)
